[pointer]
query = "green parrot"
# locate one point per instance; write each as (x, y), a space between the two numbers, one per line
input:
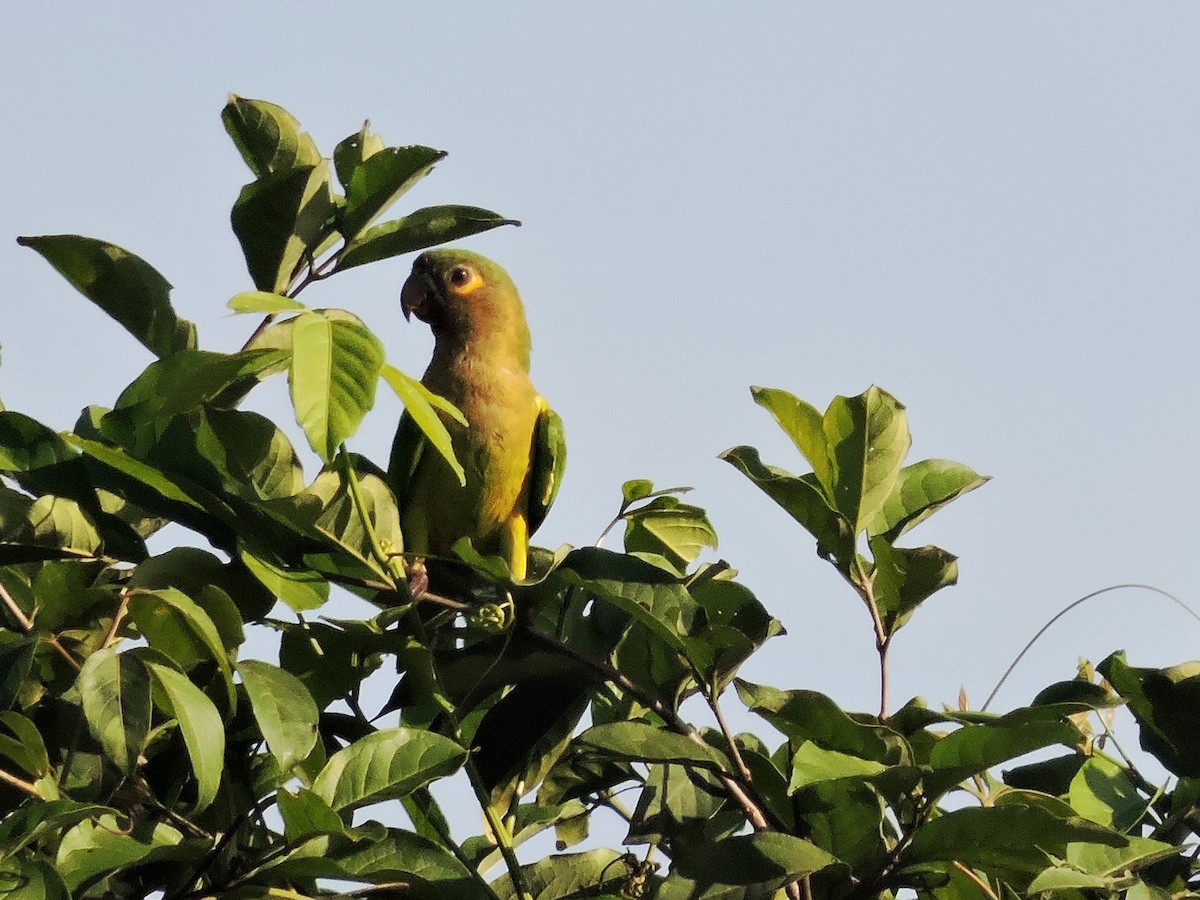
(511, 449)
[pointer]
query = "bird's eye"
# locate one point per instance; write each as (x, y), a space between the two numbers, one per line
(460, 275)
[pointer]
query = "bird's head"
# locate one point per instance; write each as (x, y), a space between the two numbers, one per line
(464, 296)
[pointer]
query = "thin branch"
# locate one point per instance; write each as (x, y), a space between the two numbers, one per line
(979, 882)
(20, 784)
(734, 751)
(27, 626)
(122, 608)
(756, 815)
(1066, 609)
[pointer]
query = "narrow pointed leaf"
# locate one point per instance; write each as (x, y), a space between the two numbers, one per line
(123, 285)
(416, 231)
(423, 405)
(639, 742)
(263, 302)
(352, 151)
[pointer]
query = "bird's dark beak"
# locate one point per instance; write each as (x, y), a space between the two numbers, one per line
(418, 296)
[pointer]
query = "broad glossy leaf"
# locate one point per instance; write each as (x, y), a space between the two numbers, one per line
(306, 815)
(905, 578)
(763, 858)
(386, 765)
(301, 589)
(201, 726)
(1103, 792)
(281, 220)
(802, 422)
(808, 715)
(122, 284)
(267, 136)
(802, 498)
(26, 444)
(639, 742)
(331, 660)
(336, 363)
(284, 709)
(921, 490)
(212, 584)
(974, 749)
(666, 527)
(416, 231)
(263, 302)
(26, 879)
(352, 151)
(1103, 859)
(868, 438)
(33, 821)
(406, 857)
(379, 180)
(16, 658)
(1004, 840)
(96, 848)
(673, 798)
(178, 627)
(812, 764)
(251, 456)
(1164, 702)
(115, 689)
(567, 875)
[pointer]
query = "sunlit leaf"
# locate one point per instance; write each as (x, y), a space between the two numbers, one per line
(284, 709)
(123, 285)
(267, 136)
(380, 179)
(115, 689)
(336, 363)
(201, 726)
(386, 765)
(868, 438)
(263, 302)
(416, 231)
(921, 490)
(423, 406)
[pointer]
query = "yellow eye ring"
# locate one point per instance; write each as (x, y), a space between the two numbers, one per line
(463, 280)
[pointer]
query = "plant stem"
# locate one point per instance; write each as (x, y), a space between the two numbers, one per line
(27, 626)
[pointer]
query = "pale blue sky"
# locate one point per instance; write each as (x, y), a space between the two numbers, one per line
(989, 209)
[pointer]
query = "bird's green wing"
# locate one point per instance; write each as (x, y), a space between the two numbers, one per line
(407, 447)
(546, 464)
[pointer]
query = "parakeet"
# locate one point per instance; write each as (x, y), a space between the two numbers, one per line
(511, 450)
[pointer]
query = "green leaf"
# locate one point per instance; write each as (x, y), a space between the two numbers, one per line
(802, 423)
(31, 822)
(868, 439)
(21, 742)
(336, 363)
(812, 764)
(567, 875)
(306, 815)
(24, 879)
(811, 716)
(353, 151)
(46, 528)
(1003, 840)
(379, 180)
(416, 231)
(282, 220)
(905, 578)
(16, 659)
(26, 444)
(202, 729)
(673, 798)
(1163, 701)
(115, 690)
(764, 858)
(263, 302)
(921, 490)
(301, 589)
(284, 710)
(179, 628)
(123, 285)
(268, 136)
(801, 498)
(671, 529)
(1103, 792)
(639, 742)
(101, 847)
(384, 766)
(423, 405)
